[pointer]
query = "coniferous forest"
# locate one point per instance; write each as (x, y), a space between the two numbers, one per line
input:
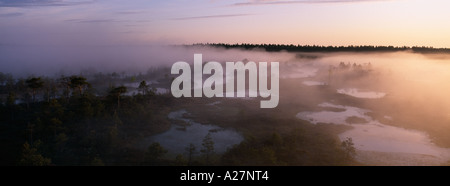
(95, 120)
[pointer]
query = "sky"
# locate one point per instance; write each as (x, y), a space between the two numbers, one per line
(150, 22)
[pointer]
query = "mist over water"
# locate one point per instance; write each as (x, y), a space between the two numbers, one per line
(394, 90)
(396, 104)
(177, 138)
(421, 80)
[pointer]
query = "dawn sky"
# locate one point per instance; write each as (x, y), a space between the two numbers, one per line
(143, 22)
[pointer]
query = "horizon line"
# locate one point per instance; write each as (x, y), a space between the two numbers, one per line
(316, 45)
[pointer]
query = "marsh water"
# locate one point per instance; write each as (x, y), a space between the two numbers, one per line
(383, 98)
(419, 83)
(369, 135)
(180, 136)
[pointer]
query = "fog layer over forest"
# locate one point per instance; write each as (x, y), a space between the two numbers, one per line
(395, 104)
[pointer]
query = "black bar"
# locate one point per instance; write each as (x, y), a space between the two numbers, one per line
(173, 175)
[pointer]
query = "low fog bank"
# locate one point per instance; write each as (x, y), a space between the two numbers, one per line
(378, 93)
(418, 80)
(22, 61)
(415, 78)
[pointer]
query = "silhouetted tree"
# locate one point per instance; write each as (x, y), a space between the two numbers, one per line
(34, 84)
(117, 92)
(50, 88)
(78, 82)
(208, 147)
(349, 148)
(190, 151)
(317, 48)
(65, 82)
(143, 87)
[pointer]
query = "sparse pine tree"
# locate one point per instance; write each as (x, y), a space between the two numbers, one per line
(143, 87)
(78, 82)
(349, 148)
(208, 147)
(190, 151)
(117, 92)
(34, 84)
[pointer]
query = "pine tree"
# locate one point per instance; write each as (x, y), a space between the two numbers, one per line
(78, 82)
(349, 148)
(34, 84)
(208, 147)
(116, 92)
(143, 87)
(190, 151)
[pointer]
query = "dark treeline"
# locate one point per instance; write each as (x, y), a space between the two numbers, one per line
(74, 120)
(68, 121)
(318, 48)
